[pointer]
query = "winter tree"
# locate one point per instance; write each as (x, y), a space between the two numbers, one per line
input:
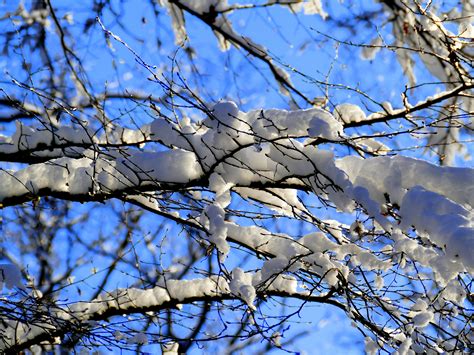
(236, 177)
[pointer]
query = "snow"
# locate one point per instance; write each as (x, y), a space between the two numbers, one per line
(466, 30)
(178, 291)
(356, 229)
(275, 266)
(276, 339)
(454, 293)
(369, 52)
(10, 277)
(378, 282)
(170, 348)
(224, 113)
(310, 7)
(177, 166)
(14, 332)
(213, 218)
(204, 6)
(139, 338)
(33, 137)
(371, 347)
(77, 176)
(118, 335)
(362, 196)
(371, 145)
(422, 319)
(405, 348)
(241, 286)
(424, 211)
(419, 306)
(221, 189)
(438, 206)
(284, 201)
(177, 22)
(447, 223)
(183, 164)
(273, 123)
(348, 113)
(310, 249)
(168, 133)
(395, 175)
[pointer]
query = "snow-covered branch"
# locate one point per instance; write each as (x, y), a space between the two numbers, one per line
(173, 294)
(152, 200)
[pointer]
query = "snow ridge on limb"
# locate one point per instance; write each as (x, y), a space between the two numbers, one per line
(242, 152)
(265, 156)
(172, 294)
